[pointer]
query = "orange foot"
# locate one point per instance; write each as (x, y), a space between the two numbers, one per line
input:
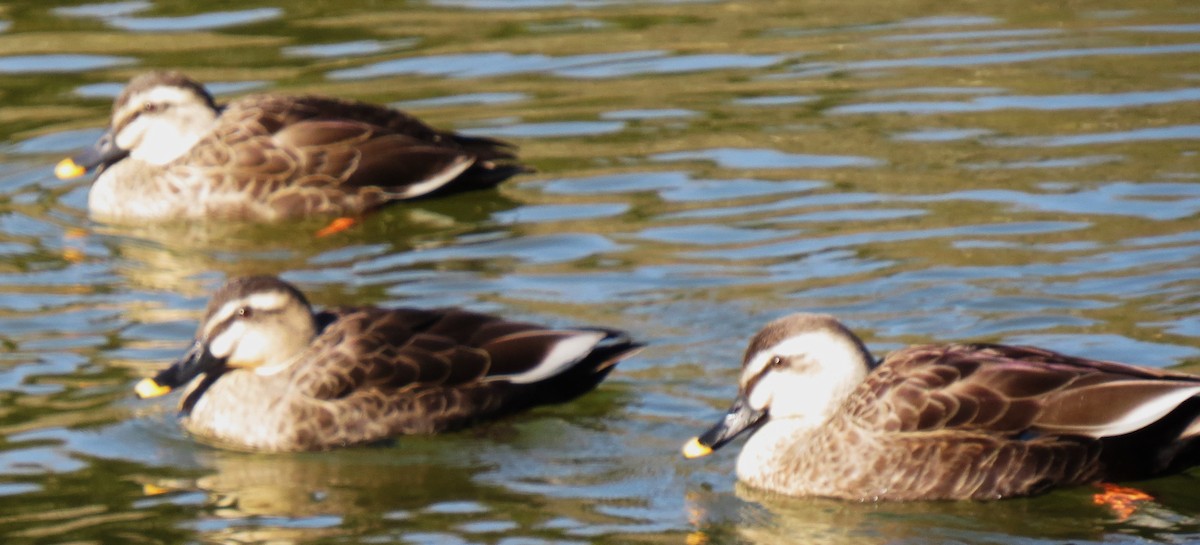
(1122, 500)
(74, 255)
(336, 226)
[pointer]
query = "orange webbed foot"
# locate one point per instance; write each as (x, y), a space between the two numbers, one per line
(1122, 500)
(336, 226)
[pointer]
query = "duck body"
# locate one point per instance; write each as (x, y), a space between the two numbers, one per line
(171, 152)
(366, 374)
(936, 422)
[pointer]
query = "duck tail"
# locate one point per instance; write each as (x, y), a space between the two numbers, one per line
(486, 149)
(589, 371)
(1171, 444)
(488, 174)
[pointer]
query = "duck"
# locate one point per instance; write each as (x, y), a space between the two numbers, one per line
(945, 421)
(267, 373)
(171, 152)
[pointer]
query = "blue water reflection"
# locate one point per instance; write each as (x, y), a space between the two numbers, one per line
(950, 172)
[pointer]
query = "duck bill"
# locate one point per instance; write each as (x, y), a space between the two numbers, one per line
(197, 361)
(740, 419)
(103, 153)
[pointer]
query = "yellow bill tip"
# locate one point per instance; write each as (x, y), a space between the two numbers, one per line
(154, 490)
(693, 449)
(147, 388)
(67, 169)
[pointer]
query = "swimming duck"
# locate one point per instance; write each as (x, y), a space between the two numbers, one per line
(279, 377)
(954, 421)
(172, 152)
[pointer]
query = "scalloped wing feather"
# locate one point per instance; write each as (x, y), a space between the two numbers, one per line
(280, 111)
(319, 147)
(359, 347)
(407, 349)
(1113, 408)
(1009, 390)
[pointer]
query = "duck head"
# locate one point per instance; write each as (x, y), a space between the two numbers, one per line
(260, 323)
(799, 369)
(158, 117)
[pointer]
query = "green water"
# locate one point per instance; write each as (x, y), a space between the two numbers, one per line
(1010, 171)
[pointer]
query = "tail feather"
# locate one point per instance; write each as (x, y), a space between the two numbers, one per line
(486, 175)
(585, 375)
(1192, 430)
(486, 149)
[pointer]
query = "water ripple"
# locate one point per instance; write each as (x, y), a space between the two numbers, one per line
(555, 129)
(461, 100)
(56, 63)
(1044, 102)
(1175, 132)
(589, 66)
(118, 15)
(971, 35)
(766, 158)
(535, 250)
(813, 69)
(1037, 184)
(348, 49)
(810, 245)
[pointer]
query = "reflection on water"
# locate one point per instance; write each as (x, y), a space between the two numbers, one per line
(24, 64)
(1014, 172)
(589, 66)
(119, 15)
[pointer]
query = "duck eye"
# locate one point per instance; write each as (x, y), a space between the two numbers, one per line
(150, 107)
(244, 312)
(778, 363)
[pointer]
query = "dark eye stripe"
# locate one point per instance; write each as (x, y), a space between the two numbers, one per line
(251, 312)
(122, 122)
(221, 326)
(750, 384)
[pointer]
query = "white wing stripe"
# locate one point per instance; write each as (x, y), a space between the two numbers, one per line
(562, 356)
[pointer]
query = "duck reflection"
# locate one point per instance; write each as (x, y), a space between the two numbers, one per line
(422, 486)
(282, 498)
(343, 484)
(179, 256)
(754, 516)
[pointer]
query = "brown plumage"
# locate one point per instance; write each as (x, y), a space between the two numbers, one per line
(958, 421)
(279, 378)
(172, 152)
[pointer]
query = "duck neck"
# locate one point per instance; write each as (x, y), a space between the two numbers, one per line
(301, 330)
(778, 444)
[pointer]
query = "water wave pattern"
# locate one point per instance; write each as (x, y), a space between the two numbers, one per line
(1016, 172)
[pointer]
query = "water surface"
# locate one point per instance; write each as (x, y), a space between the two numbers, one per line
(1016, 172)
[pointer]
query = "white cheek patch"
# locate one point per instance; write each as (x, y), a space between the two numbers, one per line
(825, 368)
(161, 138)
(760, 397)
(133, 136)
(240, 346)
(129, 136)
(252, 351)
(224, 344)
(158, 149)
